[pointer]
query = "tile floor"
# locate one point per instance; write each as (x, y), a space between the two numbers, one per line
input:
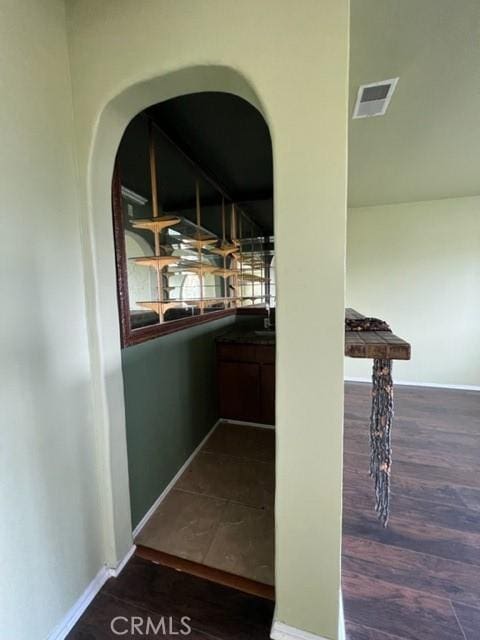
(220, 511)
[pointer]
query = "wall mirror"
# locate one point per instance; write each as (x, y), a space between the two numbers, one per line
(186, 252)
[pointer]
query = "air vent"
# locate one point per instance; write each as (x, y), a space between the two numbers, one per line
(373, 99)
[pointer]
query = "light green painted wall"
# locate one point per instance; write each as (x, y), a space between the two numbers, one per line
(292, 62)
(170, 403)
(50, 532)
(418, 266)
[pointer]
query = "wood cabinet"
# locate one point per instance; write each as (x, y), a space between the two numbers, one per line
(246, 382)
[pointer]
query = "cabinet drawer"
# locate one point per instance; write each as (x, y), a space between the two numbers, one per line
(265, 354)
(246, 353)
(237, 352)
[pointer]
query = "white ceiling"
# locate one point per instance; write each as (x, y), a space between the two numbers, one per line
(427, 146)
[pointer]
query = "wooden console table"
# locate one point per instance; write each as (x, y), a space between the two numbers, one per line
(374, 344)
(372, 338)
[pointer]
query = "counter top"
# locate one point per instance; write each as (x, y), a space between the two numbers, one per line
(358, 344)
(247, 337)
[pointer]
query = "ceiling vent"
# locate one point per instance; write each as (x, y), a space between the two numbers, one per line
(373, 99)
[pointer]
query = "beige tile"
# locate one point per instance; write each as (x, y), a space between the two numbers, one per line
(183, 525)
(246, 481)
(242, 441)
(244, 543)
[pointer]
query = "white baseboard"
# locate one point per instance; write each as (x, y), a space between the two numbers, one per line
(70, 619)
(261, 425)
(282, 631)
(76, 611)
(114, 573)
(434, 385)
(341, 619)
(169, 486)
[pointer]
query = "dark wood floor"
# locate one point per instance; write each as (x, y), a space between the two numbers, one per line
(420, 578)
(417, 580)
(147, 590)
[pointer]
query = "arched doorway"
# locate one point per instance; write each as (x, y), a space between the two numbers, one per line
(319, 201)
(194, 183)
(100, 281)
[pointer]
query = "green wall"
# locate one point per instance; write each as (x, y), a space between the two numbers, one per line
(170, 405)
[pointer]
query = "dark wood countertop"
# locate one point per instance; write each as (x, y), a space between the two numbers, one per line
(247, 337)
(358, 344)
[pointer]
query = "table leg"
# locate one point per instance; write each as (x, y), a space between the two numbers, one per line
(380, 435)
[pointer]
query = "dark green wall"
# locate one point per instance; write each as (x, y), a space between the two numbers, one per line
(170, 405)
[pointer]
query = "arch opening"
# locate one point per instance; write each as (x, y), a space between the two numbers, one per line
(193, 182)
(106, 351)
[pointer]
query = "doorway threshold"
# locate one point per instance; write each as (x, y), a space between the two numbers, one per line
(218, 576)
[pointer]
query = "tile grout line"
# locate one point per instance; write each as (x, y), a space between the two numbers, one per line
(394, 636)
(364, 473)
(230, 500)
(210, 452)
(463, 604)
(413, 477)
(429, 594)
(417, 520)
(441, 504)
(216, 532)
(432, 555)
(403, 587)
(226, 501)
(215, 535)
(458, 621)
(421, 553)
(404, 459)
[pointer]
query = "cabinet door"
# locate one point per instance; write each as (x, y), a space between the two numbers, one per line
(239, 391)
(267, 392)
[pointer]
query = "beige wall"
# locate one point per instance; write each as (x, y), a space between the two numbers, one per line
(292, 63)
(50, 531)
(418, 266)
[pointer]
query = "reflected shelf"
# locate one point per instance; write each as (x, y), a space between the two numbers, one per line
(226, 273)
(161, 306)
(156, 225)
(200, 243)
(158, 262)
(224, 249)
(193, 267)
(251, 277)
